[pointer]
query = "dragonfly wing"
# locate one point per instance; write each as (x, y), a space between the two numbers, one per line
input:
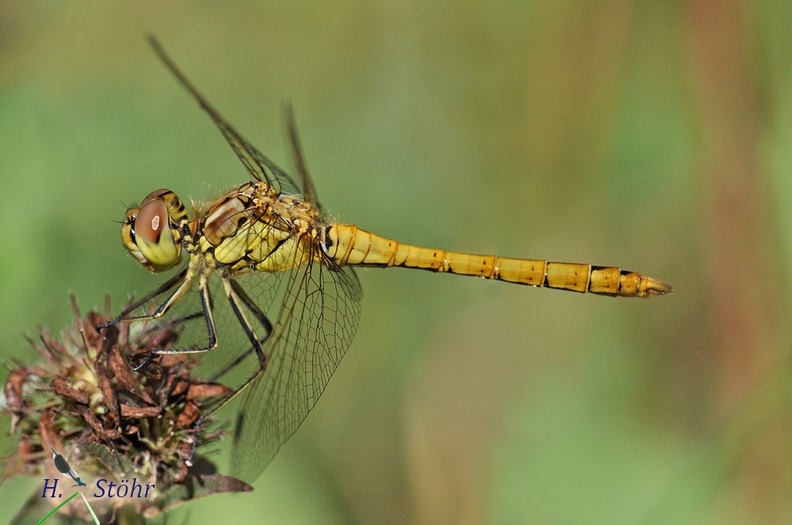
(314, 328)
(257, 164)
(308, 189)
(282, 181)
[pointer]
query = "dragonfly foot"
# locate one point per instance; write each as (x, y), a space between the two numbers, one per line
(137, 367)
(197, 430)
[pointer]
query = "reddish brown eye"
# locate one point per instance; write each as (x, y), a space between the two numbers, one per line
(154, 196)
(151, 219)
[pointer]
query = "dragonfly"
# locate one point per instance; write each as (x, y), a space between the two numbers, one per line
(286, 272)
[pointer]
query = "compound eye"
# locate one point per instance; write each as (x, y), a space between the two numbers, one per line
(153, 235)
(151, 220)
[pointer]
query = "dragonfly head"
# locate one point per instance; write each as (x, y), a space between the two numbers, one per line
(151, 231)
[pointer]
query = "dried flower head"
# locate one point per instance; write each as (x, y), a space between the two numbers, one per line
(112, 422)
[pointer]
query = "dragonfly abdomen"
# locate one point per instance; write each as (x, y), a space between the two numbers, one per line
(350, 245)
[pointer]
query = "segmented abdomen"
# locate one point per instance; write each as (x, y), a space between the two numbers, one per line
(350, 245)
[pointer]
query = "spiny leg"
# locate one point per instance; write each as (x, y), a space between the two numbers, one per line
(206, 313)
(261, 317)
(157, 332)
(234, 298)
(235, 295)
(211, 332)
(183, 279)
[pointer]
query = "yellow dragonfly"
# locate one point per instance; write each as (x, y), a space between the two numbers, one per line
(286, 272)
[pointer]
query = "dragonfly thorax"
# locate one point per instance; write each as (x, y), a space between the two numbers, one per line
(256, 228)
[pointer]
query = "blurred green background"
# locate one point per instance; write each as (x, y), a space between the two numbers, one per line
(651, 135)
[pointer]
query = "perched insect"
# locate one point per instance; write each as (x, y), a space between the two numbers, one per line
(286, 271)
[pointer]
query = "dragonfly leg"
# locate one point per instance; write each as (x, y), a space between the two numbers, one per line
(144, 361)
(236, 298)
(237, 295)
(206, 311)
(240, 294)
(181, 281)
(261, 317)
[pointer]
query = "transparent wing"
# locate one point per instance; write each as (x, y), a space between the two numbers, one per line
(298, 158)
(317, 320)
(258, 165)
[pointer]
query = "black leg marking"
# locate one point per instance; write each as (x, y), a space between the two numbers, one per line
(161, 309)
(206, 312)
